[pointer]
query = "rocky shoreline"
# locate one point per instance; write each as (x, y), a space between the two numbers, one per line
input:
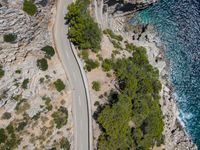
(175, 135)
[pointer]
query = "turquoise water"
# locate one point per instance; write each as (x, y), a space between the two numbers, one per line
(178, 25)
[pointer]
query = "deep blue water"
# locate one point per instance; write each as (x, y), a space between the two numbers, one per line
(178, 25)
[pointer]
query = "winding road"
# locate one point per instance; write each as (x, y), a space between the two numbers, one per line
(78, 83)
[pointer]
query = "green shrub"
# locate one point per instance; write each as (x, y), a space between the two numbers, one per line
(42, 64)
(10, 129)
(21, 125)
(91, 64)
(64, 144)
(60, 117)
(96, 86)
(41, 80)
(107, 65)
(29, 7)
(59, 85)
(18, 71)
(113, 35)
(84, 54)
(1, 72)
(108, 74)
(6, 115)
(99, 56)
(47, 103)
(96, 103)
(10, 37)
(25, 83)
(116, 45)
(22, 106)
(49, 51)
(2, 136)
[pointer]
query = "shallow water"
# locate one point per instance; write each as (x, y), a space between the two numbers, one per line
(178, 25)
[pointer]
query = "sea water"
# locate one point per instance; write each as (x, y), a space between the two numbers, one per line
(178, 25)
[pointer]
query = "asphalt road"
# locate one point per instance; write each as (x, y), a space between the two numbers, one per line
(72, 69)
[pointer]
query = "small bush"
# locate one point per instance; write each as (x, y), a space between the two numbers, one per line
(99, 56)
(84, 54)
(18, 71)
(22, 106)
(42, 64)
(41, 80)
(96, 103)
(59, 85)
(49, 51)
(91, 64)
(108, 74)
(116, 45)
(25, 83)
(64, 144)
(2, 136)
(96, 86)
(21, 125)
(107, 65)
(10, 37)
(1, 72)
(60, 117)
(29, 7)
(47, 103)
(6, 115)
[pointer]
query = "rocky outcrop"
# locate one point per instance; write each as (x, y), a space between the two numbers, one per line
(32, 34)
(19, 61)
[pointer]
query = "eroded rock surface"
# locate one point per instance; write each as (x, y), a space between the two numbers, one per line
(19, 62)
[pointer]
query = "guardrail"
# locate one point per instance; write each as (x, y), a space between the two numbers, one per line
(85, 82)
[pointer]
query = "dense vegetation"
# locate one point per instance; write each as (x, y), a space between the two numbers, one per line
(49, 51)
(10, 37)
(42, 64)
(8, 138)
(59, 85)
(83, 31)
(1, 72)
(29, 7)
(132, 119)
(60, 117)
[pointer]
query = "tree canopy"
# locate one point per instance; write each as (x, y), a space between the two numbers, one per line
(133, 118)
(83, 31)
(29, 7)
